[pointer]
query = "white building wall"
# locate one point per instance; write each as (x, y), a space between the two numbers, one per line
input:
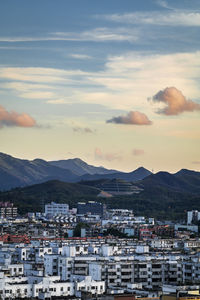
(55, 209)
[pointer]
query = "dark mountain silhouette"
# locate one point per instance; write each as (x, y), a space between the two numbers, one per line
(79, 167)
(182, 181)
(133, 176)
(15, 172)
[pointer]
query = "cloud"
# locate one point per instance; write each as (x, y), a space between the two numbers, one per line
(57, 101)
(122, 76)
(99, 155)
(175, 102)
(138, 152)
(163, 4)
(172, 18)
(82, 129)
(80, 56)
(15, 119)
(99, 34)
(197, 162)
(132, 118)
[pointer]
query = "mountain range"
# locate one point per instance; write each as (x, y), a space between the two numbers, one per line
(15, 172)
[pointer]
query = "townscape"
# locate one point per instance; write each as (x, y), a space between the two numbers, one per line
(100, 150)
(90, 252)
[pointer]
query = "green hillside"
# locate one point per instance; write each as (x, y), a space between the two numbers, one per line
(164, 196)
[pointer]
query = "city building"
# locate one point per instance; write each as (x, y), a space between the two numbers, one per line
(91, 207)
(54, 209)
(8, 210)
(193, 217)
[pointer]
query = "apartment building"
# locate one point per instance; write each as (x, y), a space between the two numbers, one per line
(54, 209)
(8, 210)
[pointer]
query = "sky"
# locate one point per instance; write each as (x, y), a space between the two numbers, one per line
(115, 83)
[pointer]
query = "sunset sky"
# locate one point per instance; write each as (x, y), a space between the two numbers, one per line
(115, 83)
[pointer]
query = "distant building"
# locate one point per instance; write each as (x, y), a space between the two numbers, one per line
(119, 187)
(93, 208)
(55, 209)
(8, 210)
(193, 217)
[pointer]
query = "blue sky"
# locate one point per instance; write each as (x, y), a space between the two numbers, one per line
(82, 79)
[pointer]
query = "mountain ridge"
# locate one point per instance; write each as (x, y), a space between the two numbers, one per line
(15, 172)
(80, 167)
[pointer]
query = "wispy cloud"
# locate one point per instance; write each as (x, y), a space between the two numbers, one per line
(80, 56)
(39, 75)
(101, 34)
(130, 76)
(132, 118)
(106, 156)
(13, 118)
(175, 102)
(171, 18)
(57, 101)
(138, 152)
(164, 4)
(196, 162)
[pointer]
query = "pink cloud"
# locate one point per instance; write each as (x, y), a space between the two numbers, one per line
(99, 155)
(197, 162)
(132, 118)
(175, 101)
(15, 119)
(138, 152)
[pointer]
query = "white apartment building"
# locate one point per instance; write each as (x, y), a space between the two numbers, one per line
(193, 216)
(54, 209)
(87, 284)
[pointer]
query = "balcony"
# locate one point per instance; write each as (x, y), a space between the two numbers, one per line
(126, 277)
(112, 276)
(80, 265)
(157, 276)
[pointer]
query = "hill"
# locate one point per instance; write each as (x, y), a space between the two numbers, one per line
(185, 181)
(16, 172)
(164, 195)
(79, 167)
(33, 198)
(133, 176)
